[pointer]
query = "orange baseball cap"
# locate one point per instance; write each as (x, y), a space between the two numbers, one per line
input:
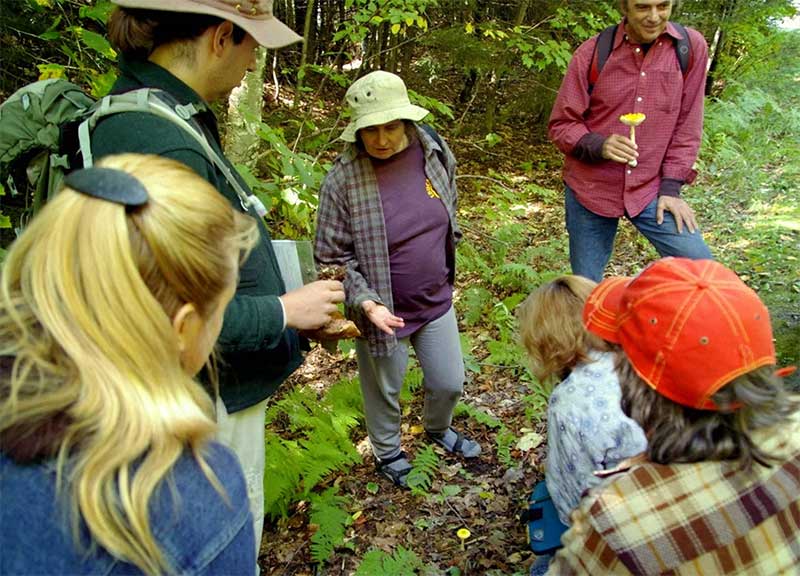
(688, 327)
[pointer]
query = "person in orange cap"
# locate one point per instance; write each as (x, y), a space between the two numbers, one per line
(716, 490)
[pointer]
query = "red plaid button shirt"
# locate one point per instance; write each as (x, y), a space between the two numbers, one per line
(708, 518)
(631, 81)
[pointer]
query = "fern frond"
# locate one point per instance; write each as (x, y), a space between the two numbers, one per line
(402, 563)
(281, 474)
(423, 469)
(331, 519)
(480, 416)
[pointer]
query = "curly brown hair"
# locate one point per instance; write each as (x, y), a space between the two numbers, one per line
(551, 327)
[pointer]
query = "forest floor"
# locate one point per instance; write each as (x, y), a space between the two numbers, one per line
(751, 218)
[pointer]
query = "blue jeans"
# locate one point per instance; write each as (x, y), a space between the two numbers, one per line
(591, 237)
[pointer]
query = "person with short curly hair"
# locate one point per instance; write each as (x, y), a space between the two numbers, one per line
(586, 429)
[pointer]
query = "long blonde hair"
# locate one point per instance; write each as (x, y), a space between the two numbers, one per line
(551, 327)
(87, 297)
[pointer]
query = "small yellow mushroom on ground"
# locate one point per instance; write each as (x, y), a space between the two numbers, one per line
(632, 120)
(463, 534)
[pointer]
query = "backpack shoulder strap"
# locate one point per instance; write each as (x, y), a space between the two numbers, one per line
(683, 48)
(163, 105)
(438, 139)
(602, 50)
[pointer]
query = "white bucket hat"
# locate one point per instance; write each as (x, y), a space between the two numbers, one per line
(378, 98)
(253, 16)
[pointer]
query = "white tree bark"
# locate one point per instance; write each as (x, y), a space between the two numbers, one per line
(244, 115)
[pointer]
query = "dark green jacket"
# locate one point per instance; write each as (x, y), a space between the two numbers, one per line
(258, 354)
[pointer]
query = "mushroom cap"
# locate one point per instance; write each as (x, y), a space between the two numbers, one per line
(632, 119)
(463, 533)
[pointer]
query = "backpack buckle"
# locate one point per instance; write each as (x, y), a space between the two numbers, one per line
(185, 111)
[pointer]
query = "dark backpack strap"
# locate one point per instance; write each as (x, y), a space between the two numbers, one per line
(438, 139)
(605, 44)
(683, 49)
(602, 50)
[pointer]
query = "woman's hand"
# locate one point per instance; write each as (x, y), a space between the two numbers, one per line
(381, 317)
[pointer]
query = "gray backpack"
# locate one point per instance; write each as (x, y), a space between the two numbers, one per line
(45, 132)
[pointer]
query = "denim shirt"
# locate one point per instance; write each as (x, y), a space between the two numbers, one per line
(198, 531)
(587, 431)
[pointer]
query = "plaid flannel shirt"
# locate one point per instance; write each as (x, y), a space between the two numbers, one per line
(703, 518)
(351, 230)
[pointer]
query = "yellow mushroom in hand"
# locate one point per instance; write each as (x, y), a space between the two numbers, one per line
(632, 120)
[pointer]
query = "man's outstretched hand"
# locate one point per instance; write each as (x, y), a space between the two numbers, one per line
(313, 305)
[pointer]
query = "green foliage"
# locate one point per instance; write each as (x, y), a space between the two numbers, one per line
(403, 16)
(331, 519)
(289, 189)
(423, 470)
(480, 416)
(536, 399)
(505, 439)
(400, 563)
(470, 362)
(747, 28)
(317, 444)
(80, 38)
(436, 106)
(5, 221)
(412, 383)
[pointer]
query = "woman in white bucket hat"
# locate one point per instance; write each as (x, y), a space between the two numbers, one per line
(387, 213)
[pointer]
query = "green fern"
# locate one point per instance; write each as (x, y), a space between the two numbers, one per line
(322, 456)
(319, 444)
(411, 383)
(423, 469)
(331, 519)
(475, 302)
(480, 416)
(504, 439)
(282, 474)
(402, 563)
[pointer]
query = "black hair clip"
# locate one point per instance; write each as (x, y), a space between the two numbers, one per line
(108, 184)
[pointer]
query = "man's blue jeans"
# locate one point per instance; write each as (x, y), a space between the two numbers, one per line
(591, 237)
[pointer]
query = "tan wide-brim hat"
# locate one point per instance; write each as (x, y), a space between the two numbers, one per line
(378, 98)
(253, 16)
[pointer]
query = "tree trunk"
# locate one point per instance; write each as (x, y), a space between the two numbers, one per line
(244, 115)
(309, 18)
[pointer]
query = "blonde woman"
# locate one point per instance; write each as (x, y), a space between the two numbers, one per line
(110, 303)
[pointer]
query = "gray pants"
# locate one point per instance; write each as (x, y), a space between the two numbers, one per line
(438, 350)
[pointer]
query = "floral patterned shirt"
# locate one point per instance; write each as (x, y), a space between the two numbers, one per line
(587, 431)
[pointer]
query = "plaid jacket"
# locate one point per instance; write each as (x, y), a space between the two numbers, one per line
(704, 518)
(351, 230)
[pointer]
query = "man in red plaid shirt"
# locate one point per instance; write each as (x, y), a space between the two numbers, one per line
(607, 175)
